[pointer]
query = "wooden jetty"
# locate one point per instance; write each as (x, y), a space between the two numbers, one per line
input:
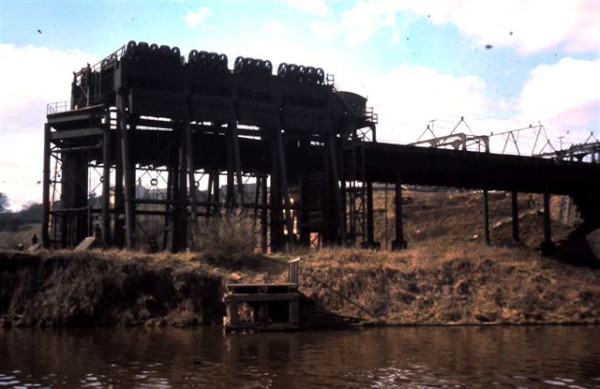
(264, 307)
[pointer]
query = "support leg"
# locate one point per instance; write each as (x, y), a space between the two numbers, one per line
(399, 243)
(264, 211)
(486, 217)
(370, 223)
(46, 189)
(129, 173)
(515, 216)
(548, 246)
(106, 183)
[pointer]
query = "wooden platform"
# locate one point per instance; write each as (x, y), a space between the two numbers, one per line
(269, 307)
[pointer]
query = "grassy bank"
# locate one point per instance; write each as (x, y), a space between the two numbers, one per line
(106, 288)
(465, 283)
(447, 276)
(468, 283)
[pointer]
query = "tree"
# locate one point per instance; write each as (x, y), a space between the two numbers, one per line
(3, 202)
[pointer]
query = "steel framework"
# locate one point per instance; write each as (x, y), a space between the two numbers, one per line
(152, 142)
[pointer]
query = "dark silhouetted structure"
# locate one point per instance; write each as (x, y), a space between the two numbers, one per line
(150, 138)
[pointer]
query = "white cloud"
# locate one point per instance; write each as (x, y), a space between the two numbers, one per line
(193, 19)
(44, 76)
(366, 17)
(327, 30)
(563, 94)
(408, 97)
(529, 26)
(273, 26)
(313, 7)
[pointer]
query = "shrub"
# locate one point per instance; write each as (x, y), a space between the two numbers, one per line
(232, 235)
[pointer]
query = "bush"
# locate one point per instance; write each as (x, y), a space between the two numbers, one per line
(229, 236)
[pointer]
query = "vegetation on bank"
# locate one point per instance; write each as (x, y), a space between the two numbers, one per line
(447, 276)
(465, 284)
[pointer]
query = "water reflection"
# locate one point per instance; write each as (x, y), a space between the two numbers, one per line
(428, 357)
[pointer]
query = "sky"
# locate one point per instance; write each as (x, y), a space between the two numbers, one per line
(501, 65)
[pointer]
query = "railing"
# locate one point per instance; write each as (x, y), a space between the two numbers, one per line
(59, 106)
(293, 270)
(371, 116)
(531, 141)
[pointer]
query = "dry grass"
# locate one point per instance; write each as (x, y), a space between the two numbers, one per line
(231, 236)
(9, 240)
(466, 284)
(445, 277)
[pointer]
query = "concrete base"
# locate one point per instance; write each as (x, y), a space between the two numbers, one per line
(91, 242)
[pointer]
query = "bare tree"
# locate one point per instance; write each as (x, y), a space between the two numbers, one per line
(3, 202)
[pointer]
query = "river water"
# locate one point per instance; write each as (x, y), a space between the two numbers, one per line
(411, 357)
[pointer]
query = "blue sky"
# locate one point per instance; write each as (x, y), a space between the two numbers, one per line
(416, 60)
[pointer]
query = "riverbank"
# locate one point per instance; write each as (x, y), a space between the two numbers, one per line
(462, 283)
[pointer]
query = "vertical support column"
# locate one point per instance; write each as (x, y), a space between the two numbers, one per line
(339, 212)
(181, 198)
(370, 224)
(284, 186)
(212, 208)
(276, 221)
(515, 216)
(547, 245)
(237, 161)
(216, 191)
(46, 189)
(230, 196)
(129, 173)
(399, 243)
(74, 195)
(264, 212)
(486, 217)
(168, 209)
(118, 231)
(106, 181)
(189, 152)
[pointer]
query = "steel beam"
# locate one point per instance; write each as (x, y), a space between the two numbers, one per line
(548, 246)
(46, 189)
(129, 172)
(486, 218)
(106, 161)
(515, 216)
(399, 243)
